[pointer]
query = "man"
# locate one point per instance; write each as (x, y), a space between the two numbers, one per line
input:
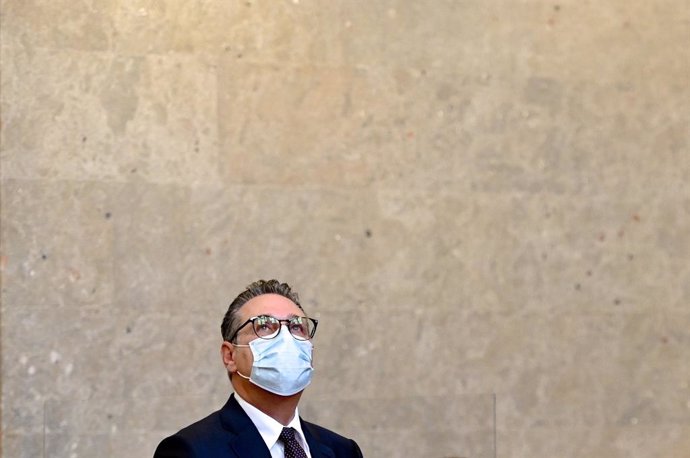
(267, 352)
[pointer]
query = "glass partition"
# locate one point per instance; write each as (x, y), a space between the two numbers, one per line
(457, 426)
(453, 426)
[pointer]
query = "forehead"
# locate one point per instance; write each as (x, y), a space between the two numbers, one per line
(269, 304)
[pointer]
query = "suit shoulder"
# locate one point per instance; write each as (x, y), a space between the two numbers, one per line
(341, 445)
(194, 439)
(209, 425)
(174, 447)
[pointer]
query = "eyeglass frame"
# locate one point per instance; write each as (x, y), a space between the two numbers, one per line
(287, 321)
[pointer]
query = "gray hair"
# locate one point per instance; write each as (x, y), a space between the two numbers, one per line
(230, 321)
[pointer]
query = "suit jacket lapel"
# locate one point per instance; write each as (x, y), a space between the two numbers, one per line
(249, 444)
(316, 448)
(245, 439)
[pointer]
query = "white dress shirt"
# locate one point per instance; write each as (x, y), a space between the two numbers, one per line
(270, 429)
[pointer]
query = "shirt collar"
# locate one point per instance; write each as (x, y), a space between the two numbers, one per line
(269, 427)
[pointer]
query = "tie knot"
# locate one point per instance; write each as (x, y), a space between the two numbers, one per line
(292, 447)
(287, 435)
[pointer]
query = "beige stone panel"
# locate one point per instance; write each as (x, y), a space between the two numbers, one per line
(87, 444)
(117, 427)
(417, 256)
(553, 244)
(610, 442)
(94, 399)
(406, 125)
(83, 25)
(256, 31)
(528, 252)
(55, 123)
(315, 239)
(165, 415)
(622, 253)
(144, 27)
(551, 252)
(540, 134)
(293, 125)
(384, 353)
(569, 40)
(55, 353)
(516, 144)
(428, 125)
(359, 355)
(183, 346)
(572, 370)
(150, 223)
(285, 31)
(293, 31)
(425, 35)
(154, 416)
(442, 127)
(349, 126)
(252, 30)
(76, 115)
(607, 41)
(121, 426)
(57, 241)
(22, 445)
(629, 139)
(670, 442)
(176, 122)
(590, 371)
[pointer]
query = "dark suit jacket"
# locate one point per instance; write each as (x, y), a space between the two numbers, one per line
(229, 433)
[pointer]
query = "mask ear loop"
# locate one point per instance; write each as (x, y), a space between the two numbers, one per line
(241, 346)
(242, 375)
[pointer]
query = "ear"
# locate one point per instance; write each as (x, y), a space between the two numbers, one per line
(227, 353)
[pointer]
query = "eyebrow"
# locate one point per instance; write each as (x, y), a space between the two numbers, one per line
(290, 316)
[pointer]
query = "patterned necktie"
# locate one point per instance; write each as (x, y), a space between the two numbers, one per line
(292, 447)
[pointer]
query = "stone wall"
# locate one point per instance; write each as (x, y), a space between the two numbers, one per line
(485, 203)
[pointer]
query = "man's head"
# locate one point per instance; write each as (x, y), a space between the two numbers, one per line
(267, 321)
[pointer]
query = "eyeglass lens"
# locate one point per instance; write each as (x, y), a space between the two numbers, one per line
(267, 327)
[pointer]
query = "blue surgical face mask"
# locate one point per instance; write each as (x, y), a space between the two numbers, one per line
(282, 365)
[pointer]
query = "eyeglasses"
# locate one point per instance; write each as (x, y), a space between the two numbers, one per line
(267, 327)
